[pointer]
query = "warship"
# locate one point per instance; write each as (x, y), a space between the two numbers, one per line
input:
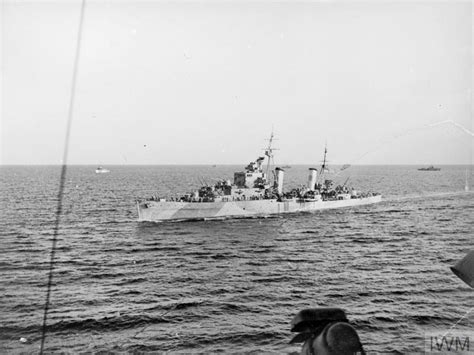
(252, 194)
(430, 168)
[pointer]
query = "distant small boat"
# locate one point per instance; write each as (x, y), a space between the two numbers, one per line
(286, 167)
(101, 170)
(430, 168)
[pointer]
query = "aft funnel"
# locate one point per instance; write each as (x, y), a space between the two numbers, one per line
(313, 173)
(279, 179)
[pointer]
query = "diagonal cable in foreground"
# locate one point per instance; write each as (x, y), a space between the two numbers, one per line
(63, 175)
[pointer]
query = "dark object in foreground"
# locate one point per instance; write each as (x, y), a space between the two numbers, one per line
(464, 269)
(325, 331)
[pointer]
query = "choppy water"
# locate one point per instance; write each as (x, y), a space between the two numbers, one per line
(231, 285)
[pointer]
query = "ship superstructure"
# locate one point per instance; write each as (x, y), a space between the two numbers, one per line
(253, 194)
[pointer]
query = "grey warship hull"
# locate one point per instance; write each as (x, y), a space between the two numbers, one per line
(156, 211)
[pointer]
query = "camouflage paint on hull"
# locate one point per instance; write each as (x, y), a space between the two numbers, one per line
(155, 211)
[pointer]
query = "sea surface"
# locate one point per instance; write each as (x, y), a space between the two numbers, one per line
(229, 286)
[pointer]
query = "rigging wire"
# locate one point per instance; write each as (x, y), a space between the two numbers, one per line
(62, 178)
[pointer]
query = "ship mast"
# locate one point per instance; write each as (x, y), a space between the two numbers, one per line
(323, 165)
(269, 153)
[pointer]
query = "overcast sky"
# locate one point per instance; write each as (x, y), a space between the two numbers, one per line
(204, 82)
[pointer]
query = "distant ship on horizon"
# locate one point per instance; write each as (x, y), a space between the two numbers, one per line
(101, 170)
(430, 168)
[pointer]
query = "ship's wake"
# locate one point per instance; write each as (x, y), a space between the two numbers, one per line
(428, 195)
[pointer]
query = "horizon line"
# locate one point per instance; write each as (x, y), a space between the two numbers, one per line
(230, 164)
